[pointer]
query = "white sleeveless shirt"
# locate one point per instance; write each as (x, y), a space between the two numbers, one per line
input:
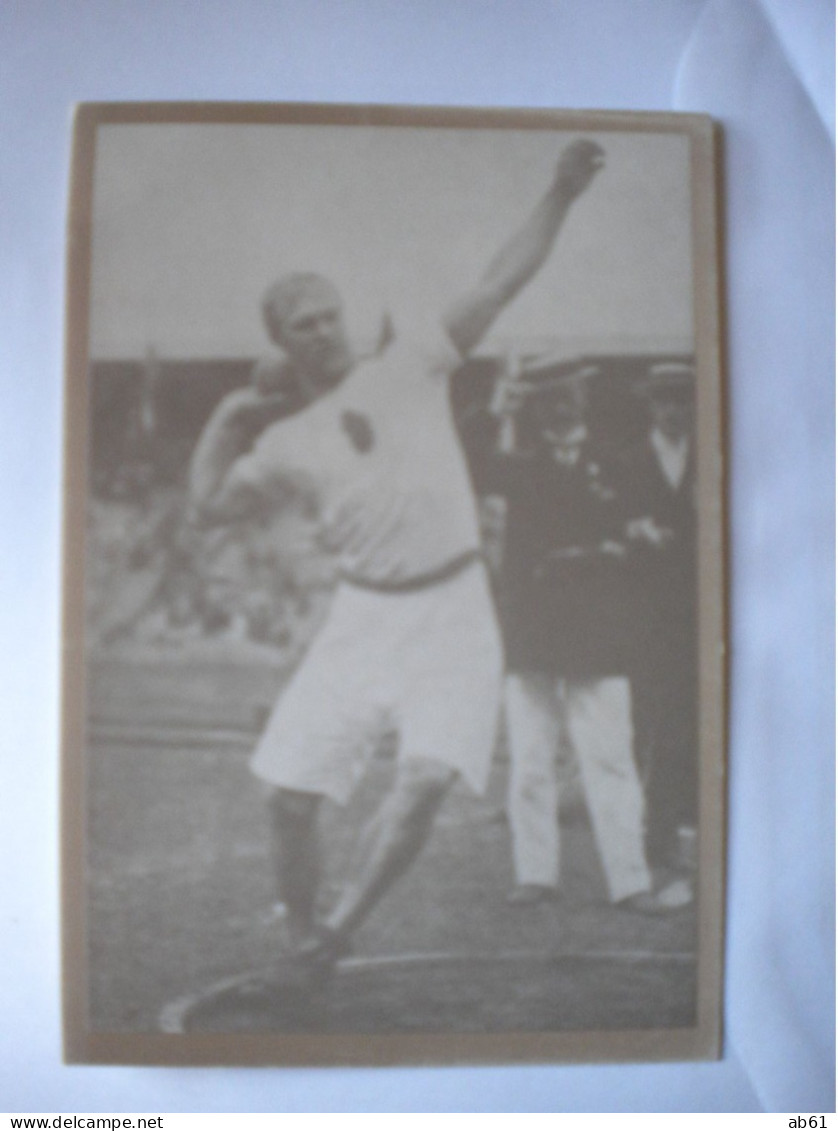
(382, 459)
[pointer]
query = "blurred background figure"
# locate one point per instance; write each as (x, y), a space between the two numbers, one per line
(659, 483)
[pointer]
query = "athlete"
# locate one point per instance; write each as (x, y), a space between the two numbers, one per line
(411, 642)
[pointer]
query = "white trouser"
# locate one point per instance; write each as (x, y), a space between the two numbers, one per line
(597, 716)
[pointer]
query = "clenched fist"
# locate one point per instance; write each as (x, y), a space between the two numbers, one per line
(577, 166)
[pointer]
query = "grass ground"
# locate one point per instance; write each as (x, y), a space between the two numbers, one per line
(180, 884)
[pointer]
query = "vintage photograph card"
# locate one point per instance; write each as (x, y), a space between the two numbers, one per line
(393, 677)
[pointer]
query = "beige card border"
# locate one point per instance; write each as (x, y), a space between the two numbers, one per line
(696, 1043)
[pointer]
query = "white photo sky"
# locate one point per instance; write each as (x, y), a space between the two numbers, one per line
(192, 222)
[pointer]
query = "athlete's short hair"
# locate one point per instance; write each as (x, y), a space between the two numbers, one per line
(281, 297)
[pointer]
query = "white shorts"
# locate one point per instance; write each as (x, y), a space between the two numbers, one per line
(427, 664)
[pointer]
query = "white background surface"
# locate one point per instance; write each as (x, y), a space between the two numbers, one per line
(765, 69)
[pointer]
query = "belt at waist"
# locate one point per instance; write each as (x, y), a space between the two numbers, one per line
(420, 580)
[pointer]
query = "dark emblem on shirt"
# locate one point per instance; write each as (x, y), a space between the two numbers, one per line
(358, 428)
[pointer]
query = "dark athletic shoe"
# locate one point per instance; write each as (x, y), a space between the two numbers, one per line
(319, 955)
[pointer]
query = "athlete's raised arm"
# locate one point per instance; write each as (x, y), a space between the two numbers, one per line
(468, 319)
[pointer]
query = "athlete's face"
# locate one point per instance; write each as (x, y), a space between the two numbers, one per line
(313, 335)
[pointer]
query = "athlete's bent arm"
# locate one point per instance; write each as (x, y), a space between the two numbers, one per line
(217, 493)
(524, 254)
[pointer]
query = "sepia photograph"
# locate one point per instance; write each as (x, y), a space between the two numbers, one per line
(394, 643)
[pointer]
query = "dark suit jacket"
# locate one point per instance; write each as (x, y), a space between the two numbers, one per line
(564, 599)
(668, 572)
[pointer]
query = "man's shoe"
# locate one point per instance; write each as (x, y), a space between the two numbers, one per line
(672, 897)
(527, 895)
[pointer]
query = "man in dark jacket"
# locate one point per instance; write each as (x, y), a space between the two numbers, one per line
(659, 483)
(567, 632)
